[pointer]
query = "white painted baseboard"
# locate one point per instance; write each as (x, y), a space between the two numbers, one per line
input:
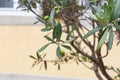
(10, 76)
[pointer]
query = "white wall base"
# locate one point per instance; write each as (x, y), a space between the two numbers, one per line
(9, 76)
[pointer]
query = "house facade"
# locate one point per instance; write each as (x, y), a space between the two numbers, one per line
(9, 14)
(18, 42)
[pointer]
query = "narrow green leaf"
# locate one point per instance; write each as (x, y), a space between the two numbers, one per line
(110, 41)
(92, 32)
(38, 56)
(91, 15)
(97, 8)
(67, 47)
(45, 29)
(58, 66)
(45, 65)
(57, 31)
(110, 10)
(43, 48)
(36, 22)
(116, 12)
(101, 21)
(54, 33)
(32, 57)
(67, 41)
(49, 39)
(102, 39)
(58, 51)
(118, 69)
(54, 2)
(105, 15)
(52, 14)
(34, 64)
(111, 2)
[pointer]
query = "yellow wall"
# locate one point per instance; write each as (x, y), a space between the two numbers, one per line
(18, 42)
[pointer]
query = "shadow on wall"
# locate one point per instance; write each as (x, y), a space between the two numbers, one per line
(10, 76)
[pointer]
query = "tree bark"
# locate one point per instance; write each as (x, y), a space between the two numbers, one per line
(97, 72)
(102, 66)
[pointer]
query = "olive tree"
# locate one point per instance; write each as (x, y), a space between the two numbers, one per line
(83, 43)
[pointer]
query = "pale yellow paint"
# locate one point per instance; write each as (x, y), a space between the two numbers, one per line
(18, 42)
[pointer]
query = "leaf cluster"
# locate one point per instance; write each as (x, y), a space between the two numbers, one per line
(104, 19)
(107, 21)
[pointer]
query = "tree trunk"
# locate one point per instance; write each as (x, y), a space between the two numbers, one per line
(97, 72)
(102, 66)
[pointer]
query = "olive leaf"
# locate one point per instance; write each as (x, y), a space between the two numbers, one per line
(58, 51)
(52, 14)
(49, 39)
(116, 12)
(43, 48)
(45, 65)
(32, 57)
(110, 41)
(92, 32)
(102, 38)
(67, 47)
(57, 31)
